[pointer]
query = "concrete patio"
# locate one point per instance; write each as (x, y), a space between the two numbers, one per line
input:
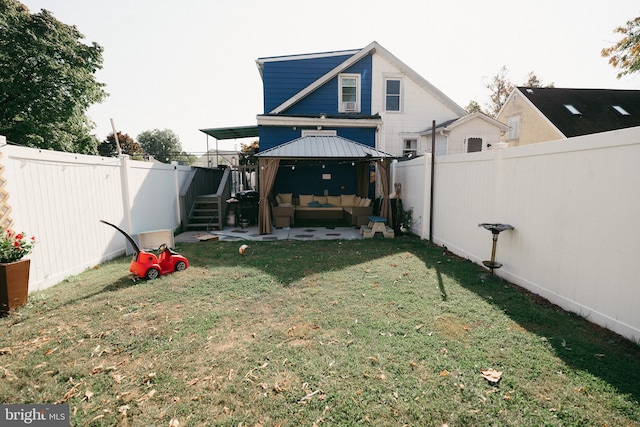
(286, 233)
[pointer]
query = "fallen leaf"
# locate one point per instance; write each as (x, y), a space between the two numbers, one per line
(491, 375)
(88, 395)
(174, 423)
(50, 351)
(372, 359)
(6, 350)
(444, 373)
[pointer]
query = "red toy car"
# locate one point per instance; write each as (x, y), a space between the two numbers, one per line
(149, 266)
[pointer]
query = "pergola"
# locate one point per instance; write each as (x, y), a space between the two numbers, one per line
(329, 148)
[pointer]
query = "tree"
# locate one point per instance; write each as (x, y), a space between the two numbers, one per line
(248, 153)
(534, 81)
(128, 146)
(163, 145)
(47, 81)
(500, 88)
(625, 55)
(473, 107)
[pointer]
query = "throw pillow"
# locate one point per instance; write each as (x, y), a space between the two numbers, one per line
(320, 199)
(334, 200)
(314, 204)
(305, 199)
(284, 198)
(347, 199)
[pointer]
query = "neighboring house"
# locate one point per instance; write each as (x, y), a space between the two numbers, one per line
(214, 159)
(468, 134)
(547, 114)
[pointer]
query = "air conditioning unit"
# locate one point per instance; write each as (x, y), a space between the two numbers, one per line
(349, 106)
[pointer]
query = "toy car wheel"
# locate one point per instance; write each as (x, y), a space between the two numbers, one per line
(152, 273)
(181, 265)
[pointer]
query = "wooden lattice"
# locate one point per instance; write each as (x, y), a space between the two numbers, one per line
(5, 209)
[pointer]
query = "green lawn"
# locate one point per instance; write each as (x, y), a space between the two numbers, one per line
(380, 332)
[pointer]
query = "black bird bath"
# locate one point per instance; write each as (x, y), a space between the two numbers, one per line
(495, 230)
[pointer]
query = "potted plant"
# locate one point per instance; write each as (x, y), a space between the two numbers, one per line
(14, 270)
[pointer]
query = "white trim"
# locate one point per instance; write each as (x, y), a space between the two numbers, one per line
(315, 132)
(343, 107)
(385, 79)
(314, 121)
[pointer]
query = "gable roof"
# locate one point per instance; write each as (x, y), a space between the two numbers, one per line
(453, 123)
(356, 56)
(591, 111)
(323, 147)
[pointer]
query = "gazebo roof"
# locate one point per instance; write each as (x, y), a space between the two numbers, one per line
(323, 147)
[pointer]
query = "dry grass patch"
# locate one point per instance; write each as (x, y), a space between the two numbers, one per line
(376, 332)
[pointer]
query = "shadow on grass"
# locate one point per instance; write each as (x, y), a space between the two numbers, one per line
(579, 343)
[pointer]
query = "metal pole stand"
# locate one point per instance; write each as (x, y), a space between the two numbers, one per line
(495, 231)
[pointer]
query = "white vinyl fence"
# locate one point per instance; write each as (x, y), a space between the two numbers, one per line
(60, 198)
(575, 206)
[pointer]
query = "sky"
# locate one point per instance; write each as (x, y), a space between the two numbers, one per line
(190, 65)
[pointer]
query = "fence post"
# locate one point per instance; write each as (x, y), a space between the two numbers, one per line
(498, 198)
(126, 198)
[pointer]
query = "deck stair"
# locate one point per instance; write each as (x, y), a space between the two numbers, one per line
(206, 213)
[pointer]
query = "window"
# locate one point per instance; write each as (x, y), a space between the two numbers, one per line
(409, 148)
(474, 144)
(620, 110)
(573, 110)
(514, 127)
(349, 96)
(392, 95)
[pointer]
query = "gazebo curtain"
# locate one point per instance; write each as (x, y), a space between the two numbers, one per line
(362, 174)
(268, 172)
(385, 205)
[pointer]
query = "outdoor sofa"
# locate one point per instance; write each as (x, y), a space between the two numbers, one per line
(354, 209)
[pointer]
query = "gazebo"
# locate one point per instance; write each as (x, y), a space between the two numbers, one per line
(322, 148)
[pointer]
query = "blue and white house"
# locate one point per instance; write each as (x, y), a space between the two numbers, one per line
(333, 121)
(365, 95)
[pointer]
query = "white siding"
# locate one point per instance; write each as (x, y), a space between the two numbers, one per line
(418, 108)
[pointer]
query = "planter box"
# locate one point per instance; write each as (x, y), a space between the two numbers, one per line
(14, 284)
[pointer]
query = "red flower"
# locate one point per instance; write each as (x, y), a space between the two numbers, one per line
(19, 236)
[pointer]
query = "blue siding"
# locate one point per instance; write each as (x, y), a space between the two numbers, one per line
(307, 179)
(325, 98)
(283, 79)
(272, 136)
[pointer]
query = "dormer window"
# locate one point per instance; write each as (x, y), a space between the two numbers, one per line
(620, 110)
(349, 93)
(573, 110)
